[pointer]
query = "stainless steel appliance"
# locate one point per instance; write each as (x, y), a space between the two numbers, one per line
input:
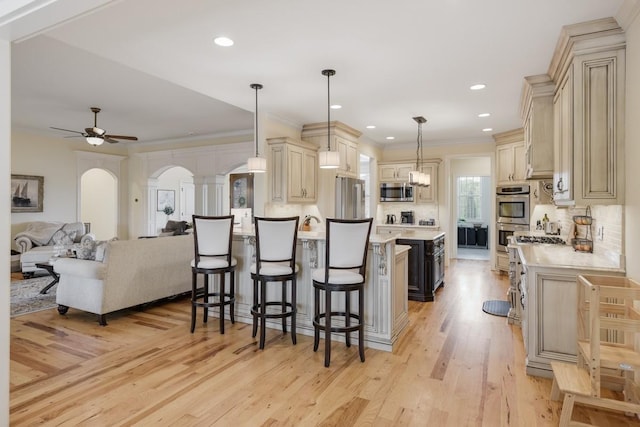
(349, 198)
(504, 232)
(396, 192)
(512, 204)
(391, 219)
(406, 217)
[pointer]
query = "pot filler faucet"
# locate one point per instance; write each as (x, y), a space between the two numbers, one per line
(306, 222)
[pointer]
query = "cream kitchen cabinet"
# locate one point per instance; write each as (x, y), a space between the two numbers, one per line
(536, 111)
(343, 138)
(395, 172)
(293, 170)
(429, 194)
(510, 156)
(588, 107)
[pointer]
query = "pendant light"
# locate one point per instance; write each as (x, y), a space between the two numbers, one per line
(256, 164)
(329, 159)
(416, 177)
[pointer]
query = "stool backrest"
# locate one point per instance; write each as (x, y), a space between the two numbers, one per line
(276, 239)
(347, 243)
(212, 235)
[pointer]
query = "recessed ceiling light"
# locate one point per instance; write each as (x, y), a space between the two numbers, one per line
(336, 106)
(223, 41)
(484, 114)
(391, 137)
(478, 86)
(487, 129)
(371, 127)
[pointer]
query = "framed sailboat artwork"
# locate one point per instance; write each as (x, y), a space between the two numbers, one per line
(27, 192)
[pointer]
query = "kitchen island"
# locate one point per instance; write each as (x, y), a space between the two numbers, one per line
(385, 290)
(426, 262)
(547, 294)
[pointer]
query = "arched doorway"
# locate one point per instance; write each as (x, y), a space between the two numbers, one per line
(99, 202)
(175, 187)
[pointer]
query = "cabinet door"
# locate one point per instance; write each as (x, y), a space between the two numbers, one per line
(504, 155)
(295, 157)
(387, 173)
(519, 162)
(309, 175)
(403, 171)
(428, 194)
(563, 140)
(348, 157)
(278, 173)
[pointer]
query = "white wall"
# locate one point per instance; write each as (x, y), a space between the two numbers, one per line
(99, 203)
(170, 180)
(5, 165)
(632, 150)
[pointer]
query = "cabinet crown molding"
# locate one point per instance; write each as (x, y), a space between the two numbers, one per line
(409, 161)
(292, 141)
(335, 127)
(534, 87)
(515, 135)
(585, 37)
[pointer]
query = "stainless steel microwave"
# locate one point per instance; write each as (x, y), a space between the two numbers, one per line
(396, 192)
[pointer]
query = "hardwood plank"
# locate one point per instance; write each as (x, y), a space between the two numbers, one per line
(453, 366)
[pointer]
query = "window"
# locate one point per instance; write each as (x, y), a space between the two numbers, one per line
(470, 198)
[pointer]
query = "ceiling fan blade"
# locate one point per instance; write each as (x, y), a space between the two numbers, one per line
(109, 140)
(68, 130)
(130, 138)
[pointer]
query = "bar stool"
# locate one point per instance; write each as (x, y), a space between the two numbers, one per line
(344, 271)
(275, 262)
(212, 237)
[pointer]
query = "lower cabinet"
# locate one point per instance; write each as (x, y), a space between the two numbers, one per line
(473, 237)
(426, 267)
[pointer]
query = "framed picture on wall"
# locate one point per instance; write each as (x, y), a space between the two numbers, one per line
(166, 198)
(27, 192)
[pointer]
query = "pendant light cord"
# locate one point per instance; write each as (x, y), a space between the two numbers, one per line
(256, 86)
(328, 73)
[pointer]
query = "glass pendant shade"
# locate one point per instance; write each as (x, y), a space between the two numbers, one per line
(414, 177)
(94, 140)
(257, 164)
(426, 179)
(329, 159)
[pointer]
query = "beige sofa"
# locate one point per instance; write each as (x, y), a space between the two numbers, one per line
(133, 272)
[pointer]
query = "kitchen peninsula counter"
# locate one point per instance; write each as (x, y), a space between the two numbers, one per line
(385, 290)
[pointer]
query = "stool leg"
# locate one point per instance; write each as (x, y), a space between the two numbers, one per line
(194, 279)
(263, 312)
(232, 292)
(205, 298)
(567, 409)
(221, 300)
(347, 317)
(255, 307)
(284, 306)
(316, 318)
(294, 310)
(327, 328)
(361, 326)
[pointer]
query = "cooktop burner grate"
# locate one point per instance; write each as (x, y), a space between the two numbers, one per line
(540, 239)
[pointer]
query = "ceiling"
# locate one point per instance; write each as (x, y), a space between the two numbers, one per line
(152, 66)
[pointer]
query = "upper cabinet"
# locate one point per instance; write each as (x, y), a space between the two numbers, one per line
(293, 171)
(588, 112)
(510, 156)
(395, 172)
(536, 110)
(343, 138)
(429, 194)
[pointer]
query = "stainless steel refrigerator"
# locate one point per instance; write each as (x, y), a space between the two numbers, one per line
(349, 198)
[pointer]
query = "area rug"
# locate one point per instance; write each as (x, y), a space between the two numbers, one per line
(497, 308)
(26, 296)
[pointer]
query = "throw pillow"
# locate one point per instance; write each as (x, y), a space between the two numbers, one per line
(87, 250)
(64, 238)
(78, 227)
(101, 246)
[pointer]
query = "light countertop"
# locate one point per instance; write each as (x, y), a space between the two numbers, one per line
(416, 226)
(564, 256)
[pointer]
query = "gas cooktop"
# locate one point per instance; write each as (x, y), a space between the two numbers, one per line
(540, 239)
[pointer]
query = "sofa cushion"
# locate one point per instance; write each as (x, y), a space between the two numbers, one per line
(87, 269)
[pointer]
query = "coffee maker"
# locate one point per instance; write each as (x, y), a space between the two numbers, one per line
(406, 217)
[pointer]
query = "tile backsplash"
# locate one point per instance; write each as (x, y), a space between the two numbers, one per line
(420, 211)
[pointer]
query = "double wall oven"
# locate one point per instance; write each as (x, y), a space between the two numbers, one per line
(512, 211)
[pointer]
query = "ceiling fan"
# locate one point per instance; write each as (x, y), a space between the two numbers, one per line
(95, 135)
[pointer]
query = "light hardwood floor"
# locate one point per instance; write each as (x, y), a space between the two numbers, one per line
(454, 366)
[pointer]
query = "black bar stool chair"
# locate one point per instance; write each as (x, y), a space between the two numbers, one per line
(212, 237)
(347, 242)
(275, 262)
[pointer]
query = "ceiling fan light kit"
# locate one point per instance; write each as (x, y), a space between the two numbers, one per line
(328, 159)
(256, 164)
(95, 135)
